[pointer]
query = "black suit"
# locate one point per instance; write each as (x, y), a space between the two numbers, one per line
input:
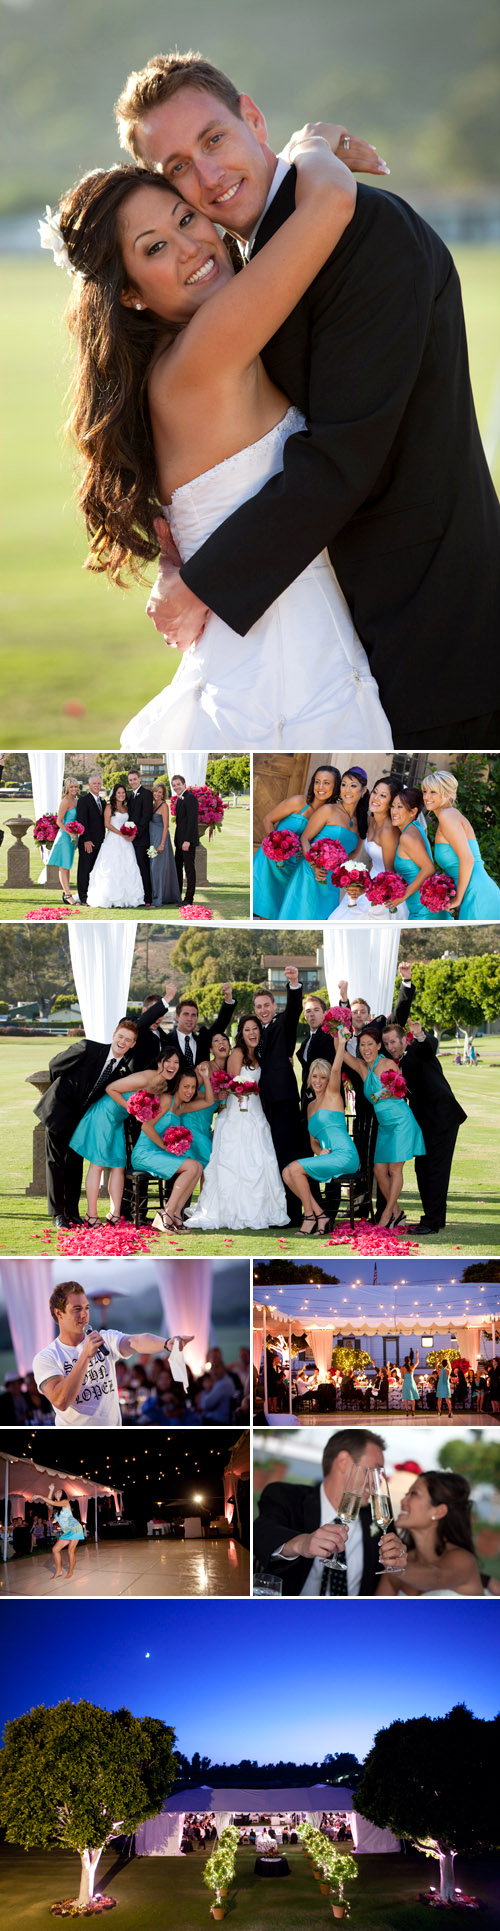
(289, 1508)
(78, 1077)
(186, 830)
(204, 1036)
(90, 814)
(278, 1087)
(439, 1116)
(391, 474)
(140, 809)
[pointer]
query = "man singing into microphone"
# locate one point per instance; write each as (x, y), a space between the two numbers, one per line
(77, 1371)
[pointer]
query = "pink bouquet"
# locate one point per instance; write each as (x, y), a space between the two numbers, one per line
(177, 1139)
(327, 855)
(243, 1086)
(337, 1016)
(46, 829)
(75, 828)
(195, 912)
(352, 875)
(437, 892)
(128, 830)
(281, 845)
(221, 1081)
(142, 1106)
(211, 806)
(395, 1085)
(386, 889)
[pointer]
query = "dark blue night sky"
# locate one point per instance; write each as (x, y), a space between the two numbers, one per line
(230, 1676)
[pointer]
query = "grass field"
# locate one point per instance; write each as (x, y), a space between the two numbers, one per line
(71, 639)
(473, 1203)
(165, 1895)
(228, 894)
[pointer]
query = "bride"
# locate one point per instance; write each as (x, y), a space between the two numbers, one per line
(174, 407)
(441, 1561)
(115, 878)
(242, 1186)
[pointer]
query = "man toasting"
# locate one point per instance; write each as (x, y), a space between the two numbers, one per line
(186, 836)
(140, 809)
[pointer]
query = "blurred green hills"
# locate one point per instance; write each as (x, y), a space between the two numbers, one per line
(421, 78)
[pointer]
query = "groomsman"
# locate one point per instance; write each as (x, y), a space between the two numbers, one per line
(78, 1077)
(90, 814)
(186, 836)
(190, 1040)
(298, 1527)
(439, 1116)
(278, 1086)
(140, 809)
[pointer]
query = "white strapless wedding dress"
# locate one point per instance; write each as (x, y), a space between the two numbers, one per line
(115, 878)
(242, 1185)
(362, 910)
(299, 677)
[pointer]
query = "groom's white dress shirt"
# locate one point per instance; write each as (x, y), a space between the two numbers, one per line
(353, 1552)
(282, 168)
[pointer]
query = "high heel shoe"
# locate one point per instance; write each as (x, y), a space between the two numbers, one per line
(66, 900)
(309, 1226)
(164, 1223)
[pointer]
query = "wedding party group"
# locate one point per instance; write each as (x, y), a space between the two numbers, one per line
(342, 851)
(289, 355)
(238, 1122)
(124, 845)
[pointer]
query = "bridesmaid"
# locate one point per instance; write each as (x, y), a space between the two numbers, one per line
(100, 1134)
(63, 851)
(398, 1136)
(270, 880)
(186, 1107)
(456, 851)
(333, 1151)
(410, 1391)
(443, 1390)
(164, 881)
(414, 860)
(310, 894)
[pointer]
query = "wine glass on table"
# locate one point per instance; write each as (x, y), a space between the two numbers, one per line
(382, 1514)
(349, 1507)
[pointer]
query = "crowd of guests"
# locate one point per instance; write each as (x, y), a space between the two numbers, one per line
(473, 1390)
(149, 1396)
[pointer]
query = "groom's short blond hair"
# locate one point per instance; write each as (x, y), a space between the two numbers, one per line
(163, 77)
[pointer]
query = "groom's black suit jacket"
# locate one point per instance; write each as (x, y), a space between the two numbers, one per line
(140, 810)
(91, 816)
(390, 474)
(276, 1050)
(186, 820)
(321, 1046)
(289, 1508)
(74, 1074)
(430, 1096)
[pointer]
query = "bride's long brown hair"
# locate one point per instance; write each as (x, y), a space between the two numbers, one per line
(110, 420)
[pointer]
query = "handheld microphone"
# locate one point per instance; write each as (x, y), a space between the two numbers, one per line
(101, 1352)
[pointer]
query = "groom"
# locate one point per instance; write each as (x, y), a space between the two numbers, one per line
(140, 809)
(391, 474)
(298, 1527)
(278, 1085)
(186, 836)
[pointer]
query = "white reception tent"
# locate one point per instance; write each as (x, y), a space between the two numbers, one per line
(161, 1836)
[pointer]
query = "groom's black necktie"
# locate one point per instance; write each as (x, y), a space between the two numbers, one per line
(189, 1055)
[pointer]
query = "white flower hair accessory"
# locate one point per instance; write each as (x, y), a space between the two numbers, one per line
(51, 237)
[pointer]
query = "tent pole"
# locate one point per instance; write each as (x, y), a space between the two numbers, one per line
(289, 1365)
(6, 1509)
(264, 1337)
(95, 1511)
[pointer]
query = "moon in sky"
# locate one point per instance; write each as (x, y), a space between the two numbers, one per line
(148, 1653)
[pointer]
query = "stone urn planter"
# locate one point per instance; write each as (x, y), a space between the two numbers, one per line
(18, 857)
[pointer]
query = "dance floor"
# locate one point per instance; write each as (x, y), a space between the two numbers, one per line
(312, 1418)
(141, 1568)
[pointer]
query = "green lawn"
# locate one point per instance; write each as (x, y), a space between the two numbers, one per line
(165, 1894)
(474, 1199)
(228, 894)
(70, 638)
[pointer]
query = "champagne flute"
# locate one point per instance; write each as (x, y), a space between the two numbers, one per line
(349, 1507)
(382, 1514)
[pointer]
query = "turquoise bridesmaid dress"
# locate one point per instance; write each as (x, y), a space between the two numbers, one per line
(408, 870)
(148, 1158)
(482, 898)
(100, 1134)
(308, 897)
(398, 1136)
(443, 1390)
(62, 852)
(340, 1154)
(409, 1389)
(270, 880)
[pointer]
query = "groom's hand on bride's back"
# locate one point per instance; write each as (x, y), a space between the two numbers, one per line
(174, 610)
(357, 155)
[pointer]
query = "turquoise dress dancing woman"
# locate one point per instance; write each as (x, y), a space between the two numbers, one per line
(270, 878)
(414, 861)
(409, 1391)
(456, 851)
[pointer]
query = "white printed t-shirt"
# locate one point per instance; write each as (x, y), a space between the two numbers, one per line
(97, 1404)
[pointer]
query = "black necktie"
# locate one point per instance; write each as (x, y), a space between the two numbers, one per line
(334, 1581)
(188, 1054)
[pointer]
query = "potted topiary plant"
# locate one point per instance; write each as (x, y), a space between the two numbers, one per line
(217, 1875)
(344, 1869)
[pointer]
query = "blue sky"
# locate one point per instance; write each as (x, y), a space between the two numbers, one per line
(230, 1676)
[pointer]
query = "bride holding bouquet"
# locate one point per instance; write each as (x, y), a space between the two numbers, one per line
(115, 878)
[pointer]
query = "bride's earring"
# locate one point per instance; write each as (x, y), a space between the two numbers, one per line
(138, 304)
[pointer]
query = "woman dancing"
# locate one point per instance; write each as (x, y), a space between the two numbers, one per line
(270, 878)
(174, 406)
(71, 1532)
(398, 1136)
(333, 1151)
(242, 1186)
(435, 1513)
(311, 894)
(443, 1390)
(414, 860)
(100, 1134)
(63, 850)
(410, 1392)
(165, 884)
(115, 878)
(456, 851)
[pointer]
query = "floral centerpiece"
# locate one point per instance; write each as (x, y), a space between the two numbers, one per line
(437, 892)
(337, 1016)
(394, 1083)
(327, 855)
(281, 845)
(128, 830)
(387, 888)
(178, 1139)
(46, 828)
(142, 1105)
(211, 807)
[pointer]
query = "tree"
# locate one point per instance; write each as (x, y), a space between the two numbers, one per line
(457, 992)
(75, 1776)
(229, 774)
(432, 1781)
(280, 1272)
(35, 962)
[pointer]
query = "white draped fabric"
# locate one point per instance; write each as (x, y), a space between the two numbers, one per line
(222, 1820)
(47, 775)
(258, 1337)
(101, 957)
(367, 956)
(27, 1286)
(191, 765)
(160, 1836)
(185, 1289)
(321, 1343)
(17, 1508)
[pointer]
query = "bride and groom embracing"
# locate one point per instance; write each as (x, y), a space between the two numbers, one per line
(306, 424)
